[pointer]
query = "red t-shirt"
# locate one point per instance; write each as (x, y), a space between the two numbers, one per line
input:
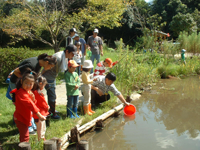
(41, 104)
(24, 106)
(100, 68)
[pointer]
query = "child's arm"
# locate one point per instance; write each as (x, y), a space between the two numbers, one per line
(41, 117)
(69, 83)
(86, 79)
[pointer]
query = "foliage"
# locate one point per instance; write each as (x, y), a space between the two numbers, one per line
(11, 57)
(181, 22)
(190, 42)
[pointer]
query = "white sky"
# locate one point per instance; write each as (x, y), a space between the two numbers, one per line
(148, 1)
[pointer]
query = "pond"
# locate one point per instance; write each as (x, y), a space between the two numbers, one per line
(167, 117)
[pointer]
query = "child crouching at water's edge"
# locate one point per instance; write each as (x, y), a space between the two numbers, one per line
(42, 105)
(25, 104)
(72, 86)
(86, 88)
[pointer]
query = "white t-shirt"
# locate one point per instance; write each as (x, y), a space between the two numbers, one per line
(78, 57)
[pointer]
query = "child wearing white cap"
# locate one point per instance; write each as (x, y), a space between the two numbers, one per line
(86, 88)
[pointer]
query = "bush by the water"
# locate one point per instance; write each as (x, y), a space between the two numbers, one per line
(11, 57)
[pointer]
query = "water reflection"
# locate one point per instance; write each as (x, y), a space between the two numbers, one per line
(167, 117)
(178, 108)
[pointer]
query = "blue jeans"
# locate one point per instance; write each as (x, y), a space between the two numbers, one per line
(72, 101)
(94, 56)
(33, 126)
(51, 94)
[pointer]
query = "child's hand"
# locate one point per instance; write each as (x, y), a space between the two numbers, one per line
(76, 87)
(32, 96)
(42, 118)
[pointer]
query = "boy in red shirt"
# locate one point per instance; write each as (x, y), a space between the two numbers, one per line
(101, 66)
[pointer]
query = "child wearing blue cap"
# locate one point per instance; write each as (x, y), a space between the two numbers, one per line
(183, 56)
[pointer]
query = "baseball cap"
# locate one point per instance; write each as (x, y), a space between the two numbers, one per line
(109, 62)
(76, 35)
(72, 63)
(73, 30)
(183, 50)
(96, 30)
(71, 48)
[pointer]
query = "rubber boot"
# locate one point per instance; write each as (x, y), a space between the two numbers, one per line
(90, 109)
(75, 112)
(70, 113)
(86, 110)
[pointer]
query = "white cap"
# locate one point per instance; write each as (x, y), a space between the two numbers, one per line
(96, 30)
(87, 64)
(183, 50)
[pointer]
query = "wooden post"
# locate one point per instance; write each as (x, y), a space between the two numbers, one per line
(50, 145)
(82, 145)
(24, 146)
(58, 142)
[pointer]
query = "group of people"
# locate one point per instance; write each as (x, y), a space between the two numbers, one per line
(27, 82)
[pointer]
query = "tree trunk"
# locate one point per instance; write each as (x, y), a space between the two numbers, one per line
(56, 48)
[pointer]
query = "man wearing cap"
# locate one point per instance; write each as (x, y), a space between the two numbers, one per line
(83, 46)
(96, 46)
(101, 87)
(61, 66)
(101, 66)
(69, 39)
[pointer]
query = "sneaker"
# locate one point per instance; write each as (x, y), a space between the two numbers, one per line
(32, 133)
(55, 116)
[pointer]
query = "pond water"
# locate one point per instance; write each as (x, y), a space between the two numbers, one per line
(167, 117)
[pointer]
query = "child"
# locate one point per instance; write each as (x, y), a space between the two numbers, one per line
(42, 105)
(24, 104)
(72, 84)
(86, 88)
(101, 66)
(183, 56)
(78, 57)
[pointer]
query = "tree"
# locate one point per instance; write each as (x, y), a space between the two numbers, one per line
(58, 16)
(182, 22)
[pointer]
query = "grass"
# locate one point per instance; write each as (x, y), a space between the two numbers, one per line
(133, 72)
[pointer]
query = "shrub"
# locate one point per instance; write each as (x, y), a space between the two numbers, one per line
(11, 57)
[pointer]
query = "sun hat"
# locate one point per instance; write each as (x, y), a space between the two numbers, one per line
(72, 63)
(109, 62)
(87, 64)
(183, 50)
(71, 48)
(73, 30)
(78, 43)
(96, 30)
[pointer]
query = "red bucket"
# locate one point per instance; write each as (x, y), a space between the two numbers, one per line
(129, 110)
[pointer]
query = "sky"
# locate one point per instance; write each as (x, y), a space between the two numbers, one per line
(148, 1)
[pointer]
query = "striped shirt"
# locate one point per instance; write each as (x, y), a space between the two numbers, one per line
(101, 84)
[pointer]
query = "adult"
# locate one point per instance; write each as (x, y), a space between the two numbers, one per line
(35, 64)
(83, 46)
(102, 86)
(61, 66)
(69, 39)
(95, 44)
